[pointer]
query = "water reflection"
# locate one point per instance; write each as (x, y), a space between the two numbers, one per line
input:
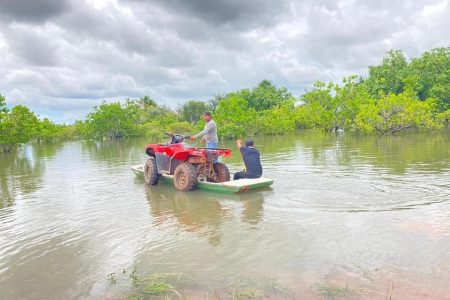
(21, 172)
(113, 152)
(253, 207)
(202, 213)
(416, 150)
(411, 150)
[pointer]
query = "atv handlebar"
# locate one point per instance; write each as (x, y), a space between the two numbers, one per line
(176, 138)
(172, 135)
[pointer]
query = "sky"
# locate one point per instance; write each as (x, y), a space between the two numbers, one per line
(62, 57)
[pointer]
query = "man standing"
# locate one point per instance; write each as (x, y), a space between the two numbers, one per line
(251, 157)
(209, 134)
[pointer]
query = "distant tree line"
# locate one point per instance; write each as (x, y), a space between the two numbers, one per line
(396, 95)
(20, 125)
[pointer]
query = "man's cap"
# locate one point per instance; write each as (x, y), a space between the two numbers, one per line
(207, 114)
(249, 143)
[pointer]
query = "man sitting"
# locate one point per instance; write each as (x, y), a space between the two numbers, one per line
(251, 157)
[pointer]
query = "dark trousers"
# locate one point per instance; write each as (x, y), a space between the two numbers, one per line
(242, 175)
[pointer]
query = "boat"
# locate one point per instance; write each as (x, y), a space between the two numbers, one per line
(233, 186)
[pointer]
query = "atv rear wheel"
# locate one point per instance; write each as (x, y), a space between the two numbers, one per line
(223, 174)
(185, 177)
(151, 176)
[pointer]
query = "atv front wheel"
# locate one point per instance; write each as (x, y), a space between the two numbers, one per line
(223, 174)
(151, 176)
(185, 177)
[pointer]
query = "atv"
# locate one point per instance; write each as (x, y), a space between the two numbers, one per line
(187, 164)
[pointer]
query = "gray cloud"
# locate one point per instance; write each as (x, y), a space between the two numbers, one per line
(234, 13)
(62, 58)
(32, 11)
(32, 45)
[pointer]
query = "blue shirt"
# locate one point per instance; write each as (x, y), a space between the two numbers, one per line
(252, 161)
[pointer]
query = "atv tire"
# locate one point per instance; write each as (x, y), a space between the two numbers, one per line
(223, 174)
(185, 177)
(151, 176)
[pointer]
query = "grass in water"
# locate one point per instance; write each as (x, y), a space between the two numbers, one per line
(332, 292)
(156, 286)
(164, 286)
(246, 294)
(261, 288)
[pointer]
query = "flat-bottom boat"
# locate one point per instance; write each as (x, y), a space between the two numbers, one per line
(234, 186)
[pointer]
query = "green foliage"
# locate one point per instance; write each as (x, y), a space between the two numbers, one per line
(432, 74)
(161, 115)
(265, 96)
(3, 108)
(17, 127)
(192, 111)
(444, 118)
(394, 113)
(321, 107)
(80, 130)
(389, 76)
(146, 102)
(395, 96)
(234, 117)
(113, 120)
(428, 76)
(214, 102)
(25, 123)
(48, 131)
(332, 107)
(183, 128)
(280, 120)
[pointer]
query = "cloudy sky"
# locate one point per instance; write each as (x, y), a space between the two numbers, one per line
(61, 57)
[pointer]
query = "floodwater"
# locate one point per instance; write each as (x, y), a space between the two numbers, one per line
(348, 217)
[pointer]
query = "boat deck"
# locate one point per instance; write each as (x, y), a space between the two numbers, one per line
(233, 186)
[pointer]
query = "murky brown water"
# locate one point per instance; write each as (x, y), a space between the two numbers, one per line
(348, 217)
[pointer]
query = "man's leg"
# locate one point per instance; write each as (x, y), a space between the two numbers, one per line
(239, 175)
(213, 145)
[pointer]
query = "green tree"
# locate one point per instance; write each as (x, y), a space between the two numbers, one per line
(214, 102)
(394, 113)
(113, 120)
(4, 122)
(265, 96)
(48, 131)
(145, 102)
(183, 128)
(234, 117)
(389, 76)
(279, 120)
(349, 99)
(3, 108)
(431, 73)
(154, 120)
(444, 118)
(332, 107)
(193, 110)
(18, 126)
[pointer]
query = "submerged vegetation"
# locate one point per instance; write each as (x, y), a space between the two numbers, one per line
(396, 95)
(144, 286)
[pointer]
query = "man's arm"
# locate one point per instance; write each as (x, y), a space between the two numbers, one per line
(207, 129)
(239, 144)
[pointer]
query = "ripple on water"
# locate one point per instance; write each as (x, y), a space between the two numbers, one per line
(357, 188)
